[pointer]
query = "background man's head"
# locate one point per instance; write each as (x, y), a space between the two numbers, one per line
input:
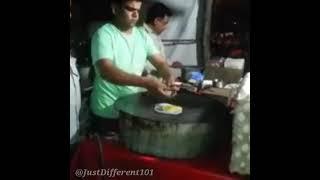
(158, 17)
(126, 11)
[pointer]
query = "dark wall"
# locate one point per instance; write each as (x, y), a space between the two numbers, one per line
(95, 10)
(231, 16)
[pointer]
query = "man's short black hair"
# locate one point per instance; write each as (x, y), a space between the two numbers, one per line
(123, 1)
(157, 10)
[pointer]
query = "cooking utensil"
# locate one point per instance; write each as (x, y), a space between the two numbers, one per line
(200, 128)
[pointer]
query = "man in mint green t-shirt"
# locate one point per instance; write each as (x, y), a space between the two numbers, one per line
(119, 52)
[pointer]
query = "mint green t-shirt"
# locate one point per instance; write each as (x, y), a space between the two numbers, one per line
(128, 53)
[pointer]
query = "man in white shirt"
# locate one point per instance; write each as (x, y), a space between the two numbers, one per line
(181, 33)
(75, 100)
(157, 19)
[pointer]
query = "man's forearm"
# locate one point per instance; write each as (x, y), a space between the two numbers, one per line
(123, 78)
(164, 69)
(117, 76)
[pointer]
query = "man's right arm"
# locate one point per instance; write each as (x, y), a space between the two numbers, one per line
(115, 75)
(102, 54)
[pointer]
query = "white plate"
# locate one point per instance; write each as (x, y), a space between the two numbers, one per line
(158, 108)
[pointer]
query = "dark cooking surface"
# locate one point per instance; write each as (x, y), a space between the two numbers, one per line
(195, 108)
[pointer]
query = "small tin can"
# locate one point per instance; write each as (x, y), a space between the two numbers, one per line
(215, 82)
(220, 84)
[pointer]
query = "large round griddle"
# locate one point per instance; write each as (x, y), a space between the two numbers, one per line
(199, 129)
(196, 108)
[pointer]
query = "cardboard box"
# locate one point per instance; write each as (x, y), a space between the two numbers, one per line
(228, 75)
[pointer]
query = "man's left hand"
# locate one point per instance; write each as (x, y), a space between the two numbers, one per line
(170, 82)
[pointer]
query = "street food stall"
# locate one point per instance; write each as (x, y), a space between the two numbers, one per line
(192, 145)
(186, 136)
